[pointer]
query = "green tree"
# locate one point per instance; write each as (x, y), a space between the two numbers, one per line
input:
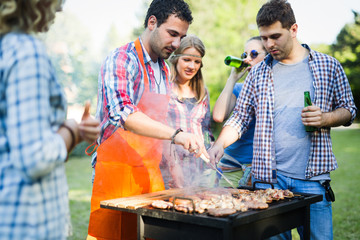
(140, 14)
(347, 50)
(112, 41)
(322, 47)
(224, 27)
(70, 51)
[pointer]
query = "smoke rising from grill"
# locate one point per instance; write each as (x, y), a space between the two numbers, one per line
(180, 168)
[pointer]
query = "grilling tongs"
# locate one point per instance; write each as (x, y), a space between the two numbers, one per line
(203, 157)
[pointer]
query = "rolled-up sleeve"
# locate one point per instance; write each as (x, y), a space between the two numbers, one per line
(343, 97)
(118, 78)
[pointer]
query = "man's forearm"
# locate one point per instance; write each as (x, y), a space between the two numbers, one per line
(336, 118)
(143, 125)
(139, 123)
(228, 136)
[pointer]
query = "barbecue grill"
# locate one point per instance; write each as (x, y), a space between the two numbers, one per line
(161, 224)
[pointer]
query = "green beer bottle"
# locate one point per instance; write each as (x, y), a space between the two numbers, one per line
(236, 62)
(307, 102)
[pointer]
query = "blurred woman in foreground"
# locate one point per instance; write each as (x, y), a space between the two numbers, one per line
(35, 138)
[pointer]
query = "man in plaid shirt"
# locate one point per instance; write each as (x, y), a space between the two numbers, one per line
(133, 97)
(284, 153)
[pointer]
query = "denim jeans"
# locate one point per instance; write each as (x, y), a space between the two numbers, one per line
(320, 213)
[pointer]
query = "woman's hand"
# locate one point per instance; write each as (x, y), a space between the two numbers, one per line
(235, 74)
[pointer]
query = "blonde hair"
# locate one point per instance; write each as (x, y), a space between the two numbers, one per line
(29, 16)
(197, 82)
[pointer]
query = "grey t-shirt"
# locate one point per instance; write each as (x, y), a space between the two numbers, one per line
(292, 142)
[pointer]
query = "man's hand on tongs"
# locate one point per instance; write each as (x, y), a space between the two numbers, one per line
(216, 152)
(227, 136)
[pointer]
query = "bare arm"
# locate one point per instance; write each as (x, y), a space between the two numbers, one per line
(312, 116)
(143, 125)
(226, 101)
(228, 136)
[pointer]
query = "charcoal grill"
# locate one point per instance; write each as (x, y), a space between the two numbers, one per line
(160, 224)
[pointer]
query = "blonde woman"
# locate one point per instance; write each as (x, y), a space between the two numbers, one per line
(189, 110)
(35, 138)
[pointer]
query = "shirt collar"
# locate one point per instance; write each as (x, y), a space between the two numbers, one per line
(269, 59)
(312, 52)
(147, 57)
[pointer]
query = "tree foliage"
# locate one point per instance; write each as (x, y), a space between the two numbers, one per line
(70, 51)
(347, 50)
(223, 26)
(112, 41)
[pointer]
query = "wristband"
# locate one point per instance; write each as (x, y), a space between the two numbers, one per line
(72, 145)
(174, 135)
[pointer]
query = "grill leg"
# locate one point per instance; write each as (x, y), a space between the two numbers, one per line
(140, 229)
(306, 225)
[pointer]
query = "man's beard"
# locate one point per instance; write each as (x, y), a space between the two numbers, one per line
(158, 49)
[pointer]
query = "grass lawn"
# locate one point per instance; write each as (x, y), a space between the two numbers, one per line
(345, 183)
(79, 180)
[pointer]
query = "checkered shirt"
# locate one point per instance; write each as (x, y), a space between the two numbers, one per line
(120, 88)
(33, 187)
(121, 85)
(196, 120)
(332, 91)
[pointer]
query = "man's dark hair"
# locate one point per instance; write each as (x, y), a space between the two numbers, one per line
(276, 10)
(162, 9)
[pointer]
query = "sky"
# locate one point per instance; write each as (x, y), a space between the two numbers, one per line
(319, 21)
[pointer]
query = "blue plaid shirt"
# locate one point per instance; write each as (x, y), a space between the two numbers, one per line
(33, 187)
(332, 91)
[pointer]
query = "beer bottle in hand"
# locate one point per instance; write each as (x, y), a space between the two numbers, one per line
(307, 102)
(236, 62)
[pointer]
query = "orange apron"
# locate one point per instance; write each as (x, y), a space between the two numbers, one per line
(127, 164)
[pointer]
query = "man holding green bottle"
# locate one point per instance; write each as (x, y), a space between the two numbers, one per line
(284, 153)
